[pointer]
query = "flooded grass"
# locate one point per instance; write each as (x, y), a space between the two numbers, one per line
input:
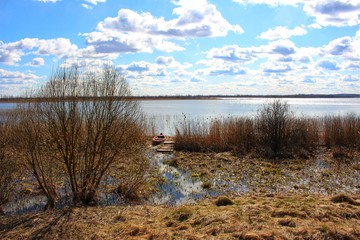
(248, 174)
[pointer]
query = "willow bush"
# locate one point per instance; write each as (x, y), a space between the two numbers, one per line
(82, 126)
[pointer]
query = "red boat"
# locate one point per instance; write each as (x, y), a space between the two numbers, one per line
(158, 139)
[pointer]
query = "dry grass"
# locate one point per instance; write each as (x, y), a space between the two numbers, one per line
(250, 217)
(298, 136)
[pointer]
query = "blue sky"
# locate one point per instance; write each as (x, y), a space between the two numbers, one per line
(180, 47)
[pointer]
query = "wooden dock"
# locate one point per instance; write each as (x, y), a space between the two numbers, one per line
(166, 147)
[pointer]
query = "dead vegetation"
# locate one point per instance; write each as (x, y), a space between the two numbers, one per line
(275, 133)
(250, 217)
(74, 148)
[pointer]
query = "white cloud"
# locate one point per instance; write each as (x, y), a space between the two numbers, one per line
(11, 53)
(274, 67)
(282, 33)
(233, 53)
(36, 62)
(328, 65)
(270, 2)
(216, 68)
(336, 13)
(346, 47)
(12, 83)
(87, 6)
(131, 32)
(95, 2)
(283, 47)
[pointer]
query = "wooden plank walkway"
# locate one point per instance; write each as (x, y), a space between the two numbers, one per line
(166, 147)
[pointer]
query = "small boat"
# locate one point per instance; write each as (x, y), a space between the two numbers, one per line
(158, 139)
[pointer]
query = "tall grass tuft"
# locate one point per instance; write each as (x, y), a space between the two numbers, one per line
(342, 134)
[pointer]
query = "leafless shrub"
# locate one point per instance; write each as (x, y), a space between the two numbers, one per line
(8, 165)
(38, 152)
(273, 122)
(87, 124)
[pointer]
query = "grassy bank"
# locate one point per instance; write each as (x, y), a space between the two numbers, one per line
(247, 217)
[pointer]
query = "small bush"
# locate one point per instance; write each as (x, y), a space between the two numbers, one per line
(223, 201)
(273, 126)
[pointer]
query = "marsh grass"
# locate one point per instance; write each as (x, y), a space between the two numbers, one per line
(272, 134)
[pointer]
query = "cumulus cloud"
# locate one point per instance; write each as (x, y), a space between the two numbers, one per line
(282, 33)
(270, 2)
(11, 53)
(162, 60)
(328, 65)
(131, 31)
(142, 68)
(232, 53)
(336, 13)
(36, 62)
(271, 67)
(339, 46)
(227, 70)
(15, 82)
(346, 47)
(283, 47)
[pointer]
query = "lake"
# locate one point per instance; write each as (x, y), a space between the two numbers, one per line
(168, 113)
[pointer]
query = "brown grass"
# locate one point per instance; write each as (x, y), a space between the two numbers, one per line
(250, 217)
(341, 198)
(297, 137)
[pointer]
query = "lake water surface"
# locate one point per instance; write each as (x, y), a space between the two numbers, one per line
(168, 113)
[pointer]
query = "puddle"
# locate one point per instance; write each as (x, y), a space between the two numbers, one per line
(177, 187)
(25, 204)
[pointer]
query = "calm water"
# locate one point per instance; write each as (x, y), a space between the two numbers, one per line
(168, 113)
(249, 106)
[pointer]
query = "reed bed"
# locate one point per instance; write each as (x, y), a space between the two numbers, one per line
(298, 137)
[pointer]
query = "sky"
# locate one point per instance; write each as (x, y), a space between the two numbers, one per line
(185, 47)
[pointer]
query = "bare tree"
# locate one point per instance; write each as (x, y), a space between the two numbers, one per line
(91, 124)
(273, 125)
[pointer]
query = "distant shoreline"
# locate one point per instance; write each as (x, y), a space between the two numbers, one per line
(197, 97)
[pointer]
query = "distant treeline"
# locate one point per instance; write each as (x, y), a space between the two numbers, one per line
(181, 97)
